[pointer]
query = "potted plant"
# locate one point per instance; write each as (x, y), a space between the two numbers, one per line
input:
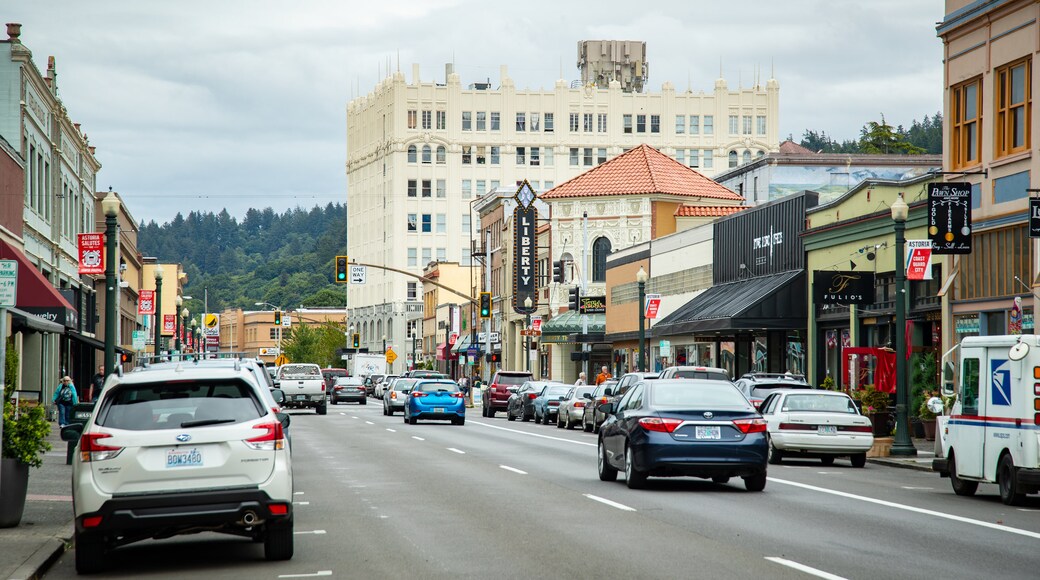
(874, 404)
(828, 384)
(923, 372)
(927, 417)
(24, 443)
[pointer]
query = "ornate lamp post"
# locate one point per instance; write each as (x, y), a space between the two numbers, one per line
(527, 344)
(110, 207)
(184, 325)
(177, 323)
(902, 446)
(194, 332)
(641, 278)
(158, 311)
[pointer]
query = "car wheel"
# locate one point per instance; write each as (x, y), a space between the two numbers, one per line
(827, 460)
(384, 409)
(595, 428)
(775, 455)
(491, 413)
(559, 422)
(720, 479)
(483, 411)
(278, 541)
(633, 477)
(755, 482)
(90, 553)
(524, 416)
(509, 415)
(412, 420)
(606, 471)
(322, 409)
(1007, 481)
(961, 486)
(586, 427)
(858, 459)
(364, 401)
(334, 401)
(459, 421)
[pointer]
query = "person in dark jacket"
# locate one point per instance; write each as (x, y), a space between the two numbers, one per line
(96, 382)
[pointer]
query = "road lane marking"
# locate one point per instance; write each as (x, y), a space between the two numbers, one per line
(315, 575)
(352, 417)
(614, 504)
(369, 423)
(459, 451)
(297, 493)
(301, 503)
(513, 469)
(418, 438)
(804, 568)
(344, 414)
(391, 430)
(914, 488)
(533, 434)
(908, 508)
(317, 532)
(830, 473)
(1027, 510)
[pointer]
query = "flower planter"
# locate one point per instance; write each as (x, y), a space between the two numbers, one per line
(14, 484)
(882, 447)
(929, 429)
(882, 423)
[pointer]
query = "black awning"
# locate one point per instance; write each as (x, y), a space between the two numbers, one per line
(775, 302)
(87, 340)
(21, 319)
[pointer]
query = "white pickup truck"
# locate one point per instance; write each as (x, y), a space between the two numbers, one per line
(303, 385)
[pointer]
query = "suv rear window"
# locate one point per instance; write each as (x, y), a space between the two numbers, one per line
(761, 390)
(299, 371)
(434, 387)
(512, 378)
(181, 404)
(713, 375)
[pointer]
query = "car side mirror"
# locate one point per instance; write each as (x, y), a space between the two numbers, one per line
(562, 399)
(278, 395)
(277, 383)
(72, 432)
(606, 408)
(587, 396)
(283, 418)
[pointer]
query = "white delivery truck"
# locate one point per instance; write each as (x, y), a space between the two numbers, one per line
(992, 433)
(367, 364)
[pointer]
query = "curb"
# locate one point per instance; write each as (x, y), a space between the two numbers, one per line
(40, 560)
(901, 464)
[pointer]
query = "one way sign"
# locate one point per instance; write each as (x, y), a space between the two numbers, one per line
(358, 274)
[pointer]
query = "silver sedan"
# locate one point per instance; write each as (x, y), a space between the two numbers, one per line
(573, 406)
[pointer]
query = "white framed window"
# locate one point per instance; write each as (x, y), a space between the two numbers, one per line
(574, 156)
(481, 154)
(413, 118)
(549, 184)
(413, 287)
(442, 255)
(734, 124)
(707, 159)
(655, 123)
(427, 188)
(535, 158)
(481, 187)
(587, 157)
(601, 155)
(412, 258)
(547, 156)
(413, 188)
(574, 122)
(466, 258)
(427, 257)
(548, 122)
(412, 223)
(747, 124)
(413, 154)
(494, 184)
(495, 120)
(467, 188)
(521, 122)
(680, 124)
(442, 120)
(442, 154)
(640, 123)
(467, 120)
(442, 224)
(601, 123)
(680, 156)
(761, 124)
(427, 223)
(535, 122)
(587, 122)
(495, 155)
(427, 118)
(467, 155)
(709, 124)
(521, 156)
(466, 223)
(695, 160)
(442, 188)
(427, 155)
(626, 123)
(481, 121)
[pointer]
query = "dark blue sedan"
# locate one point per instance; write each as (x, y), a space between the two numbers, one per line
(435, 399)
(683, 427)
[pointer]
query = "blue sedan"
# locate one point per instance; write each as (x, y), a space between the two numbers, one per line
(435, 399)
(683, 427)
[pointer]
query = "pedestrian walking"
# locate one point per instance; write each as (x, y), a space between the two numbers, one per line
(602, 376)
(581, 380)
(65, 397)
(96, 382)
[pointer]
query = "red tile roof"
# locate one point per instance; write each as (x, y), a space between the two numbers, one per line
(791, 148)
(641, 171)
(708, 210)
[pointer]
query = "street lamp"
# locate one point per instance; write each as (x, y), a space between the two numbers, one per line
(641, 281)
(527, 331)
(184, 325)
(158, 310)
(194, 329)
(177, 323)
(902, 446)
(384, 344)
(415, 341)
(110, 207)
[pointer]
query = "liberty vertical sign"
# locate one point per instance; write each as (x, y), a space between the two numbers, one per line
(525, 258)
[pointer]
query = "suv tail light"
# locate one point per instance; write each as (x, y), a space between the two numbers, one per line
(532, 396)
(418, 394)
(458, 395)
(750, 425)
(272, 440)
(91, 450)
(659, 424)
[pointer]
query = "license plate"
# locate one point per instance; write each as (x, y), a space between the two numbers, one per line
(438, 409)
(301, 397)
(183, 458)
(702, 432)
(826, 430)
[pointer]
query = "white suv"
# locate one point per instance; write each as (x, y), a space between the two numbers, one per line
(177, 450)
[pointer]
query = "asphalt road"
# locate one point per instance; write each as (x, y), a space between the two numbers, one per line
(377, 498)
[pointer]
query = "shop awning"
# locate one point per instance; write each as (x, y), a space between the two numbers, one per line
(560, 327)
(444, 352)
(461, 344)
(775, 302)
(36, 295)
(28, 321)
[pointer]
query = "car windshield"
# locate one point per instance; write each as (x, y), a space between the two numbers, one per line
(554, 392)
(760, 391)
(504, 379)
(819, 404)
(699, 395)
(430, 387)
(698, 374)
(295, 371)
(349, 381)
(402, 385)
(179, 404)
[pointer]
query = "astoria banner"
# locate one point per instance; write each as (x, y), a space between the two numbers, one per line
(146, 302)
(525, 249)
(91, 253)
(830, 287)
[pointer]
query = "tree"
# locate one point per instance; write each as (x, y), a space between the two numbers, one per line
(882, 138)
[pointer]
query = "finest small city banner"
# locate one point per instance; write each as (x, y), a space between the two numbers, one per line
(146, 302)
(91, 253)
(949, 218)
(831, 287)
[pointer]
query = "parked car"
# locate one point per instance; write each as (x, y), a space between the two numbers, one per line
(330, 375)
(424, 374)
(149, 455)
(695, 372)
(756, 386)
(496, 394)
(371, 381)
(811, 423)
(521, 400)
(547, 403)
(377, 389)
(572, 408)
(628, 379)
(395, 394)
(435, 399)
(683, 427)
(349, 389)
(593, 417)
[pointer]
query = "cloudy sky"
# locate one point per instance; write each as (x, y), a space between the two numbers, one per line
(241, 103)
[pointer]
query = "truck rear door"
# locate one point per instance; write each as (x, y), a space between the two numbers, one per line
(967, 429)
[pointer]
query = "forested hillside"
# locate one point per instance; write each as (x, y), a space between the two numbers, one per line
(284, 259)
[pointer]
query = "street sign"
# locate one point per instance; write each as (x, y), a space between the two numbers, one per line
(358, 274)
(482, 337)
(473, 351)
(453, 338)
(269, 351)
(8, 283)
(536, 323)
(281, 360)
(919, 259)
(391, 356)
(653, 304)
(530, 332)
(666, 348)
(139, 339)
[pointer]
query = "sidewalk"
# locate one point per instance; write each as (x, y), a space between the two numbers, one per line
(923, 461)
(46, 528)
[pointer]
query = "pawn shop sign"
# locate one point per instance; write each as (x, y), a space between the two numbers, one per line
(918, 259)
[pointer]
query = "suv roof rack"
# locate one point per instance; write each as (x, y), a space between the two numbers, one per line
(144, 361)
(787, 376)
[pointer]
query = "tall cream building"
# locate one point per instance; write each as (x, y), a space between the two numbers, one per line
(420, 153)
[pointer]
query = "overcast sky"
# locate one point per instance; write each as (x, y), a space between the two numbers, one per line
(241, 103)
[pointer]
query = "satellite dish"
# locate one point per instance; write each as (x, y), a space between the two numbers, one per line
(1019, 351)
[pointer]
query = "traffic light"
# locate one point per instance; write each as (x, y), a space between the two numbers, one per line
(558, 271)
(277, 317)
(356, 340)
(573, 297)
(492, 357)
(341, 269)
(485, 305)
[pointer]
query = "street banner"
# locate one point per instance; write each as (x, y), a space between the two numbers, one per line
(836, 287)
(8, 284)
(525, 250)
(1034, 217)
(169, 323)
(92, 253)
(919, 259)
(146, 302)
(653, 305)
(536, 323)
(949, 218)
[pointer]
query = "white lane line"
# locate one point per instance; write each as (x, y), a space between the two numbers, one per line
(418, 438)
(533, 434)
(391, 430)
(369, 423)
(830, 473)
(615, 504)
(344, 414)
(513, 469)
(318, 532)
(914, 488)
(459, 451)
(315, 575)
(352, 417)
(297, 493)
(301, 503)
(1028, 510)
(804, 568)
(909, 508)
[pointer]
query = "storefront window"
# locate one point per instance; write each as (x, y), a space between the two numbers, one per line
(996, 323)
(728, 357)
(761, 354)
(795, 355)
(968, 325)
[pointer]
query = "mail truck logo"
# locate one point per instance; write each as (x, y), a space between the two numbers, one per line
(1000, 382)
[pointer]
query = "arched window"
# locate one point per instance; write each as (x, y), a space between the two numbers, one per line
(426, 154)
(441, 154)
(412, 151)
(364, 331)
(568, 266)
(747, 156)
(389, 329)
(600, 250)
(732, 158)
(760, 154)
